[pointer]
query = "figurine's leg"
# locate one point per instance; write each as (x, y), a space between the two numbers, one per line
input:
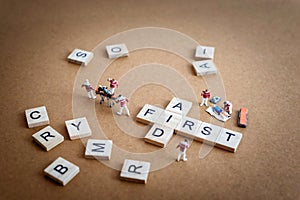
(206, 99)
(203, 100)
(184, 156)
(121, 110)
(127, 111)
(179, 155)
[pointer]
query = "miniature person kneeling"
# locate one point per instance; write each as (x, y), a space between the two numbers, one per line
(123, 100)
(183, 146)
(89, 89)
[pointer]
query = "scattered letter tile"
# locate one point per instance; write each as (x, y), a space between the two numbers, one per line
(48, 138)
(80, 57)
(136, 171)
(37, 117)
(98, 149)
(78, 128)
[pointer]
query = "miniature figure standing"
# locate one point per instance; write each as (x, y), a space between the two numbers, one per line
(228, 107)
(123, 101)
(89, 89)
(205, 96)
(183, 146)
(113, 84)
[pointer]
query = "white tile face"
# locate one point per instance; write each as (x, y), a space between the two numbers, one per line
(179, 106)
(48, 138)
(136, 171)
(229, 140)
(159, 135)
(188, 127)
(78, 128)
(80, 57)
(204, 67)
(149, 114)
(98, 149)
(117, 50)
(205, 52)
(208, 133)
(37, 117)
(62, 171)
(169, 119)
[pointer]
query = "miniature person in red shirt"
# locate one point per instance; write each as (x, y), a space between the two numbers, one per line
(228, 107)
(123, 101)
(89, 89)
(183, 146)
(205, 96)
(113, 83)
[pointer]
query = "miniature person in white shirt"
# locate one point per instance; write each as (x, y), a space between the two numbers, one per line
(123, 101)
(183, 146)
(90, 90)
(205, 96)
(228, 107)
(113, 83)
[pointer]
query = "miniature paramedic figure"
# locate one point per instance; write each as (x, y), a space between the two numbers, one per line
(123, 101)
(89, 89)
(183, 146)
(228, 107)
(205, 96)
(113, 85)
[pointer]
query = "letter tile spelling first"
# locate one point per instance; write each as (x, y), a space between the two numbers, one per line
(62, 171)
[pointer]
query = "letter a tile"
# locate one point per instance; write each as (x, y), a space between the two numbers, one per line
(62, 171)
(179, 106)
(159, 135)
(136, 171)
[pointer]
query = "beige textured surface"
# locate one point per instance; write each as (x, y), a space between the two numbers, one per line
(257, 53)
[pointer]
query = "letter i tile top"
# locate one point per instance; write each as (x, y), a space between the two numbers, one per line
(136, 171)
(179, 106)
(98, 149)
(62, 171)
(78, 128)
(159, 135)
(37, 117)
(48, 138)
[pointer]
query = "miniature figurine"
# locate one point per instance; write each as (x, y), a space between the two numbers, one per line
(89, 89)
(183, 146)
(105, 93)
(113, 84)
(205, 96)
(123, 100)
(228, 107)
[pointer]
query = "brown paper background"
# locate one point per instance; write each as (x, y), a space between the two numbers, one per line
(257, 53)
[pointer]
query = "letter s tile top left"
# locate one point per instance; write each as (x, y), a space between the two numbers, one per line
(62, 171)
(159, 135)
(48, 138)
(78, 128)
(136, 171)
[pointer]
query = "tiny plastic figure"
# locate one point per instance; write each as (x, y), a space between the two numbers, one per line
(228, 107)
(123, 100)
(113, 84)
(105, 93)
(89, 89)
(183, 146)
(205, 96)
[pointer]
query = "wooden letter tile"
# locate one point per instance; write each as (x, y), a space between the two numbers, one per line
(117, 50)
(80, 57)
(208, 133)
(78, 128)
(48, 138)
(159, 135)
(98, 149)
(149, 114)
(179, 106)
(62, 171)
(205, 52)
(169, 119)
(229, 140)
(204, 67)
(136, 171)
(37, 117)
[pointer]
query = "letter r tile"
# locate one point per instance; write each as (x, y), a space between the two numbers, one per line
(136, 171)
